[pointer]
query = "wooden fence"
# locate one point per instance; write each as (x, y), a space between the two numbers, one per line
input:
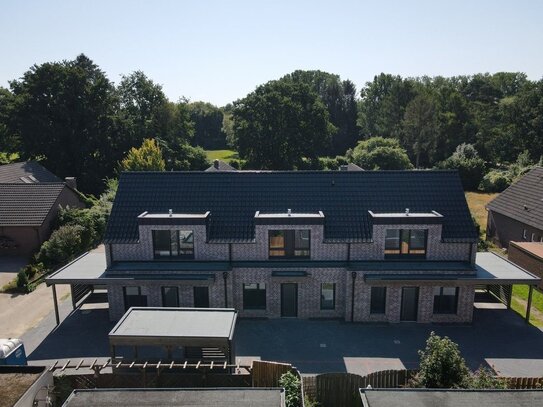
(519, 383)
(267, 374)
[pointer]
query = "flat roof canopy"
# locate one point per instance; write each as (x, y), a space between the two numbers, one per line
(86, 269)
(201, 397)
(450, 398)
(175, 326)
(489, 269)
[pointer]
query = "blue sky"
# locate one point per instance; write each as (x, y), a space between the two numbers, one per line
(219, 51)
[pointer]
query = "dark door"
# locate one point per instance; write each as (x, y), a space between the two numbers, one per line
(289, 300)
(410, 303)
(201, 297)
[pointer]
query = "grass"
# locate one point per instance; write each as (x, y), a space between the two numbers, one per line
(223, 155)
(476, 203)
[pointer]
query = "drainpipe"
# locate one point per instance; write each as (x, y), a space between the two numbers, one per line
(353, 274)
(225, 276)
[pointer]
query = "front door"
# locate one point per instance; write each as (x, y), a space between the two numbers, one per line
(410, 303)
(289, 300)
(201, 297)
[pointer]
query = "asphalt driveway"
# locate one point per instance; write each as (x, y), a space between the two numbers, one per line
(499, 337)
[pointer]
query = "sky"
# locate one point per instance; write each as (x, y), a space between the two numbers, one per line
(219, 51)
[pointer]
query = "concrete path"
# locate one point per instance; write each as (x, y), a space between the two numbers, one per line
(21, 312)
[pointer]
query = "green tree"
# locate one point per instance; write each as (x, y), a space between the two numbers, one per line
(148, 157)
(441, 365)
(378, 153)
(280, 123)
(470, 166)
(9, 141)
(208, 125)
(420, 126)
(65, 113)
(181, 156)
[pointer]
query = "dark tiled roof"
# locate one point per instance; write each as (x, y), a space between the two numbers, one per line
(219, 165)
(344, 197)
(27, 204)
(26, 172)
(523, 201)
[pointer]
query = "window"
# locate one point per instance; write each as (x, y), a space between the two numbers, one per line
(400, 243)
(289, 243)
(328, 296)
(133, 297)
(445, 300)
(378, 300)
(170, 297)
(173, 243)
(254, 296)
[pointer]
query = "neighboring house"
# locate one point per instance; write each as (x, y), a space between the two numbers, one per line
(529, 256)
(219, 165)
(30, 197)
(517, 213)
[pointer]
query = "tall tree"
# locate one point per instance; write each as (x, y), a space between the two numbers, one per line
(148, 157)
(9, 141)
(208, 125)
(65, 113)
(280, 123)
(339, 97)
(420, 126)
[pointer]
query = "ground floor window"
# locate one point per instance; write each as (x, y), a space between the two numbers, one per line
(328, 296)
(445, 300)
(254, 296)
(133, 297)
(378, 300)
(170, 297)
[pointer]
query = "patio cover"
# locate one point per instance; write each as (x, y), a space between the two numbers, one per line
(88, 269)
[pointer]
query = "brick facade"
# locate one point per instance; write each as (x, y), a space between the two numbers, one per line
(526, 259)
(309, 286)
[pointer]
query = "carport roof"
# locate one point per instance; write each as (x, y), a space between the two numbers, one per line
(210, 397)
(86, 269)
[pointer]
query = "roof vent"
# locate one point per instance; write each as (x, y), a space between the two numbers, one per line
(216, 163)
(525, 207)
(170, 212)
(406, 211)
(289, 212)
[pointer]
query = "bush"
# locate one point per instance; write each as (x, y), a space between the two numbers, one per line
(378, 153)
(64, 245)
(484, 378)
(470, 166)
(441, 365)
(23, 282)
(495, 181)
(291, 383)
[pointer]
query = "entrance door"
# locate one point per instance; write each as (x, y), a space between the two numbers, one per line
(410, 303)
(201, 297)
(289, 300)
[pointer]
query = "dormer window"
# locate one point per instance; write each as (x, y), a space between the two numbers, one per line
(289, 243)
(402, 243)
(173, 244)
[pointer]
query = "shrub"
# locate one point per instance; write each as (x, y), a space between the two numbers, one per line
(470, 166)
(64, 245)
(23, 282)
(495, 181)
(378, 153)
(291, 383)
(441, 365)
(484, 378)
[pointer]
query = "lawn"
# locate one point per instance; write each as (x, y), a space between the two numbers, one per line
(476, 203)
(223, 155)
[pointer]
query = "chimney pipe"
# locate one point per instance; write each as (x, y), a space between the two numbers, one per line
(71, 182)
(216, 164)
(170, 213)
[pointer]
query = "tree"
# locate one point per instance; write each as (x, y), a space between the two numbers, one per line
(378, 153)
(146, 158)
(208, 125)
(339, 97)
(181, 156)
(65, 113)
(280, 123)
(470, 166)
(441, 365)
(420, 128)
(9, 141)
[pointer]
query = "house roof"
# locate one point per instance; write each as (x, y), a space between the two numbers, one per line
(344, 197)
(27, 172)
(27, 204)
(219, 165)
(522, 201)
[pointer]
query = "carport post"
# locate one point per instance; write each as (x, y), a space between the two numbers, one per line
(529, 306)
(56, 303)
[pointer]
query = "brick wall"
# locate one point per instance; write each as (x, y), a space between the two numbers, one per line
(526, 260)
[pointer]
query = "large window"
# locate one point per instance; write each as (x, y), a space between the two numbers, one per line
(133, 297)
(170, 297)
(173, 243)
(378, 300)
(400, 243)
(445, 300)
(289, 243)
(328, 296)
(254, 296)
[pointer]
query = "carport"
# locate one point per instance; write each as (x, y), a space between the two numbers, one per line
(82, 274)
(210, 330)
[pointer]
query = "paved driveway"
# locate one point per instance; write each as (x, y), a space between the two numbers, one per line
(9, 267)
(499, 336)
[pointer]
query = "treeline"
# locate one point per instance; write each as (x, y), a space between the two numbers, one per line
(70, 115)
